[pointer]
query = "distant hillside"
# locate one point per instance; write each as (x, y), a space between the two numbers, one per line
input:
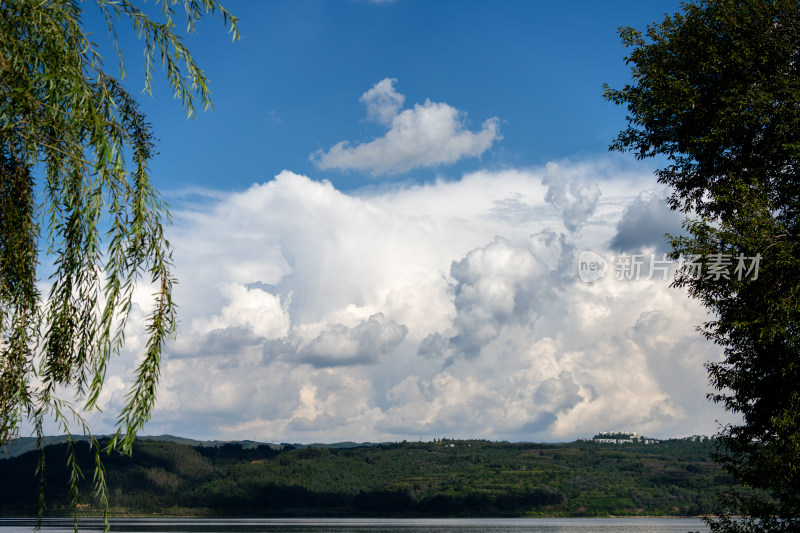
(25, 444)
(444, 478)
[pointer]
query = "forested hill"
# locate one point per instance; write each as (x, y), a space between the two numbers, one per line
(443, 478)
(22, 445)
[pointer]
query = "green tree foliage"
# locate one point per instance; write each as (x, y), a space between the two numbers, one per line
(716, 91)
(472, 478)
(75, 195)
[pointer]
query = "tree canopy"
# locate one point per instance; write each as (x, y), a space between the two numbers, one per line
(464, 478)
(716, 90)
(76, 196)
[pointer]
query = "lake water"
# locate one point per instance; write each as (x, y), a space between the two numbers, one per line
(349, 525)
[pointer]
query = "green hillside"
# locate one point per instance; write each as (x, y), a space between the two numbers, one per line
(443, 478)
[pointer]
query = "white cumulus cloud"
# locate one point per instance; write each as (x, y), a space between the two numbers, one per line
(576, 201)
(442, 309)
(383, 101)
(339, 345)
(428, 134)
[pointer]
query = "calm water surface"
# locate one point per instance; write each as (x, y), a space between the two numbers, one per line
(346, 525)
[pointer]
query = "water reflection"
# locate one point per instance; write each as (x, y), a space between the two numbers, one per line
(304, 525)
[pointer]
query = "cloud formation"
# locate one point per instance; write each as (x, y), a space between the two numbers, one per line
(443, 309)
(339, 345)
(576, 201)
(428, 134)
(383, 101)
(645, 223)
(495, 285)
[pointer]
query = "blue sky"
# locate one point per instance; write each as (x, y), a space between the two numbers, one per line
(377, 231)
(292, 84)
